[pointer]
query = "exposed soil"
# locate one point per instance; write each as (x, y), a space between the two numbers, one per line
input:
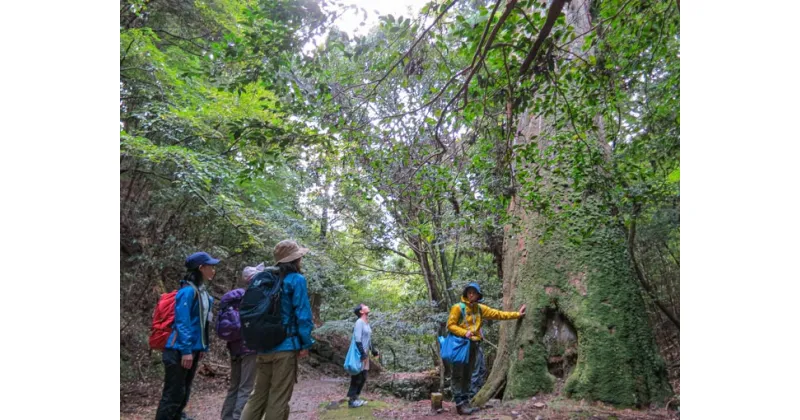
(323, 397)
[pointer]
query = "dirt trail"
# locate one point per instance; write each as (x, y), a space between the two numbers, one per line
(323, 398)
(206, 401)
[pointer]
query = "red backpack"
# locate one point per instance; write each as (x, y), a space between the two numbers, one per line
(163, 317)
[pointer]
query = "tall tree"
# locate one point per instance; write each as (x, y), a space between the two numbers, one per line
(570, 254)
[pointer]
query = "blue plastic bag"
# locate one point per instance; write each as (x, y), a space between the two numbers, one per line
(352, 362)
(455, 349)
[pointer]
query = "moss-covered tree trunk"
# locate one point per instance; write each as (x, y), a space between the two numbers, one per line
(605, 349)
(587, 323)
(586, 320)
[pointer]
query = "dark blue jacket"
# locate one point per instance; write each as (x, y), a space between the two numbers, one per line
(296, 314)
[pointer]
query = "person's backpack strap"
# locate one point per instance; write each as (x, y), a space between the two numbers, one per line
(197, 297)
(196, 291)
(464, 314)
(200, 313)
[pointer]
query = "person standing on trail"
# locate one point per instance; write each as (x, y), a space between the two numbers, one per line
(362, 333)
(243, 360)
(276, 369)
(188, 341)
(465, 321)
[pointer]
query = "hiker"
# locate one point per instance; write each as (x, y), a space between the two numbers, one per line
(468, 325)
(276, 369)
(363, 339)
(188, 341)
(243, 359)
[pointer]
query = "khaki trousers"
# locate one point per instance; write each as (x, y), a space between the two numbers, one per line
(275, 377)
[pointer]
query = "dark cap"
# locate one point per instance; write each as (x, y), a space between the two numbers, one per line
(200, 258)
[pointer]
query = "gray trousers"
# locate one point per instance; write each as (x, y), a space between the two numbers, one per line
(462, 376)
(478, 373)
(243, 373)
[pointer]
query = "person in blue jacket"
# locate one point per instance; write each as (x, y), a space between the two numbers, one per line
(189, 338)
(276, 369)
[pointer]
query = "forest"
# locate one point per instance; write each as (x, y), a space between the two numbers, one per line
(531, 146)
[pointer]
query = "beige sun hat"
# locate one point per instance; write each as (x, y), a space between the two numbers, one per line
(287, 251)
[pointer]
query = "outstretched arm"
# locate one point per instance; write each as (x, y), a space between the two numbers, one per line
(494, 314)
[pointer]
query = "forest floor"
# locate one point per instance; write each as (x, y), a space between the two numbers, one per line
(321, 397)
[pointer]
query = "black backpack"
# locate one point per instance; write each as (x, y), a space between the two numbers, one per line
(260, 312)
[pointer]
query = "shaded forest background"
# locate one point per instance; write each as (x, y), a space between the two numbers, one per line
(530, 146)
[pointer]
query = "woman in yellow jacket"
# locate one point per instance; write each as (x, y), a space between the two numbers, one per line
(468, 324)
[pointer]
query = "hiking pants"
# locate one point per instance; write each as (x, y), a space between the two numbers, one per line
(243, 374)
(177, 385)
(356, 385)
(478, 373)
(276, 374)
(461, 376)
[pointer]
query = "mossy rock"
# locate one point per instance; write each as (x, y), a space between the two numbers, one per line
(339, 410)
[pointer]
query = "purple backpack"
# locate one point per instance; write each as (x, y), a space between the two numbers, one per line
(229, 328)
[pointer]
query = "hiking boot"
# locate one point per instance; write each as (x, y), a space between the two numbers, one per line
(356, 403)
(465, 409)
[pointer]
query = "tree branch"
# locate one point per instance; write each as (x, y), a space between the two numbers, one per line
(552, 15)
(485, 31)
(425, 32)
(427, 104)
(465, 87)
(379, 270)
(643, 280)
(218, 211)
(386, 248)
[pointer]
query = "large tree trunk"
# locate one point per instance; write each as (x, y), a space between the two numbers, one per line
(515, 254)
(586, 323)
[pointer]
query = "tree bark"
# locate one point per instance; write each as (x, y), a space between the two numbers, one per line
(316, 303)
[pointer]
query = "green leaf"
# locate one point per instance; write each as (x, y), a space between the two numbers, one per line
(674, 176)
